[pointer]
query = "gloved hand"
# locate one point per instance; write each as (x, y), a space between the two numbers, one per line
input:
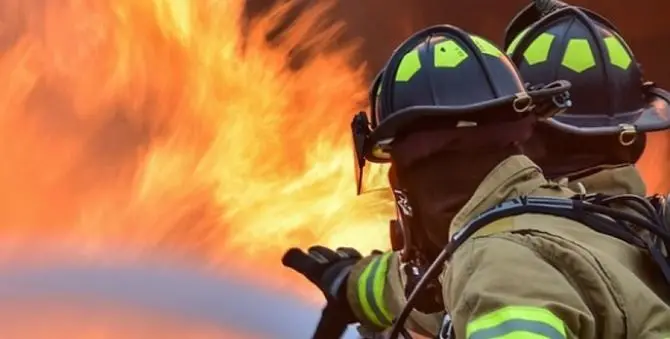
(328, 270)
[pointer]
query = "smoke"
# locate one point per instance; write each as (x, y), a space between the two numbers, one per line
(180, 294)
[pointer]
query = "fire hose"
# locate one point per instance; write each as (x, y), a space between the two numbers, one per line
(331, 327)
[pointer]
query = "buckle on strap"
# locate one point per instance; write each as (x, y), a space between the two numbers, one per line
(447, 328)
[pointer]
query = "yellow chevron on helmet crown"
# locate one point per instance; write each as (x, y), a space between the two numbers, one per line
(578, 55)
(538, 50)
(618, 52)
(447, 54)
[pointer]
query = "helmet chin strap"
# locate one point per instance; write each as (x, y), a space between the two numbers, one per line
(408, 249)
(413, 253)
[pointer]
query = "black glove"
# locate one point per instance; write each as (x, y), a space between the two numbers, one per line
(328, 270)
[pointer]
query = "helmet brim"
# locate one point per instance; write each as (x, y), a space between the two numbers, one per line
(381, 138)
(385, 132)
(652, 118)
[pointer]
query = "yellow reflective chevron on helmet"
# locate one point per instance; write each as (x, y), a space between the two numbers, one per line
(447, 54)
(538, 50)
(409, 65)
(517, 322)
(578, 56)
(486, 47)
(618, 53)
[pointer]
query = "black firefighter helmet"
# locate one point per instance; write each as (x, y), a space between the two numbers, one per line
(444, 73)
(575, 44)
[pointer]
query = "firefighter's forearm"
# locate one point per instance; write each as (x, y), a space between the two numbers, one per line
(376, 293)
(366, 289)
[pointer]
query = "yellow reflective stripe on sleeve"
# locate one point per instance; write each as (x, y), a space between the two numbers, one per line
(371, 291)
(367, 309)
(517, 322)
(378, 288)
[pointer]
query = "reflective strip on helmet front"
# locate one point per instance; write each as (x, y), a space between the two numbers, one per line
(517, 322)
(371, 291)
(448, 54)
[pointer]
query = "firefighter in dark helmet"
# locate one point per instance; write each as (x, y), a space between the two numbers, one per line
(452, 118)
(596, 143)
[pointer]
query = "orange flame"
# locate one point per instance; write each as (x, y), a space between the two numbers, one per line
(147, 125)
(160, 124)
(654, 163)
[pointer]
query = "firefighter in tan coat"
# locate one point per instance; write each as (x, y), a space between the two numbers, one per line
(452, 115)
(603, 161)
(378, 283)
(596, 143)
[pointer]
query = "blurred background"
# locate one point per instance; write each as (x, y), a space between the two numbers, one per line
(158, 156)
(382, 24)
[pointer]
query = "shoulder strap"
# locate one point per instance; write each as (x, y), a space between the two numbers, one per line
(661, 204)
(561, 207)
(594, 211)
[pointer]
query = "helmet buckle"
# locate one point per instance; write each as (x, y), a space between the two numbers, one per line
(562, 101)
(522, 103)
(628, 134)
